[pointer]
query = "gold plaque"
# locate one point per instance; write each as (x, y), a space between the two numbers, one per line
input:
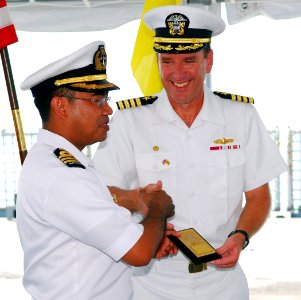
(194, 246)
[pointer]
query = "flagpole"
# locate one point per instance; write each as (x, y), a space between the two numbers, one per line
(13, 103)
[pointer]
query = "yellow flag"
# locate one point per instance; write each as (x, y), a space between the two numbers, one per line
(144, 61)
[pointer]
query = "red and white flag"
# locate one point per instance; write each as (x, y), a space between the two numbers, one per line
(8, 33)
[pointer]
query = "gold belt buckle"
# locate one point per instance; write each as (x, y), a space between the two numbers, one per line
(194, 268)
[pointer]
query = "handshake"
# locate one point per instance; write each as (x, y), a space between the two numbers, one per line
(156, 206)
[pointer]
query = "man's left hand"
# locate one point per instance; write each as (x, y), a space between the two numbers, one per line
(167, 247)
(229, 251)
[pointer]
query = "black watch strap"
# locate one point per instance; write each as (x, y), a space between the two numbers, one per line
(242, 232)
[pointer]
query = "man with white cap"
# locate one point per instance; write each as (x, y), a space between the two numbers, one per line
(78, 243)
(207, 150)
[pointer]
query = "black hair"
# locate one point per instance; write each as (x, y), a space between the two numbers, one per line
(42, 101)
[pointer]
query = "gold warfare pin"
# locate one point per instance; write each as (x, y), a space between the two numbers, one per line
(223, 141)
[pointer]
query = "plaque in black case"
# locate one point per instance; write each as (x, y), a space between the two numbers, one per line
(194, 246)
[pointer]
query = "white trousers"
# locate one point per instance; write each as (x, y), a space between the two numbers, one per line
(170, 280)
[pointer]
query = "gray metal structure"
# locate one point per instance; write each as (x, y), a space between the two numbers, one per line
(294, 172)
(11, 168)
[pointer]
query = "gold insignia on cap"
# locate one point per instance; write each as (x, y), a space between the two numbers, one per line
(165, 162)
(176, 24)
(190, 47)
(100, 63)
(195, 43)
(81, 79)
(182, 40)
(100, 59)
(235, 97)
(67, 158)
(161, 47)
(92, 86)
(156, 148)
(223, 141)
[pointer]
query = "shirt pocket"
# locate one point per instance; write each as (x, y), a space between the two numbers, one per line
(152, 167)
(226, 172)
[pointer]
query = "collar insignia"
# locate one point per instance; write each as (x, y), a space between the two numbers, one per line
(223, 141)
(165, 162)
(68, 159)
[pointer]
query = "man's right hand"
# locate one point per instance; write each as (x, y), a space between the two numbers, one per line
(153, 196)
(157, 207)
(160, 204)
(138, 200)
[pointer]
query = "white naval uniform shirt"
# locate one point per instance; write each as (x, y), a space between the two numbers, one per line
(72, 233)
(206, 185)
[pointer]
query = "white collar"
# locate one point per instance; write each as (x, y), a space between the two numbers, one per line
(212, 110)
(57, 141)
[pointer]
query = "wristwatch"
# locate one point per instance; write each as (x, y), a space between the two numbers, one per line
(246, 235)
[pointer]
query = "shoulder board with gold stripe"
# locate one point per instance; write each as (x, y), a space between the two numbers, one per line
(234, 97)
(135, 102)
(68, 159)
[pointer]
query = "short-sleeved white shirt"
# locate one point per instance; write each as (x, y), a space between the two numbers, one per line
(205, 179)
(72, 233)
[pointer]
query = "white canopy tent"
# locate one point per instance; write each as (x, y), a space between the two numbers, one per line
(76, 22)
(97, 15)
(49, 29)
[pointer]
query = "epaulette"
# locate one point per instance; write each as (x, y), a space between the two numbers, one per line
(68, 159)
(135, 102)
(234, 97)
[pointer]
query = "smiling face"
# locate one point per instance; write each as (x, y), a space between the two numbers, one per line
(183, 75)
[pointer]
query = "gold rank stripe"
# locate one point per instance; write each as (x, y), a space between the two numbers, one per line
(120, 105)
(138, 101)
(235, 97)
(67, 158)
(135, 102)
(242, 98)
(127, 104)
